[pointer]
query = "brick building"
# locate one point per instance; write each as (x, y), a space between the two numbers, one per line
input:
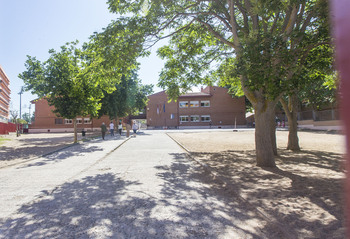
(4, 96)
(212, 107)
(47, 121)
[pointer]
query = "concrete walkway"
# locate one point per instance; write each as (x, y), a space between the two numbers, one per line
(145, 187)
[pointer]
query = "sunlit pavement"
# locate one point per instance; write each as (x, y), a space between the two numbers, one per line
(140, 187)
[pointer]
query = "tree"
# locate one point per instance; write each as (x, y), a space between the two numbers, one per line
(268, 39)
(130, 97)
(315, 85)
(260, 41)
(26, 117)
(71, 80)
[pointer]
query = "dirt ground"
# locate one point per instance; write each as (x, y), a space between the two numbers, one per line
(14, 149)
(304, 194)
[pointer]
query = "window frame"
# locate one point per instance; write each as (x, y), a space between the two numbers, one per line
(183, 102)
(194, 104)
(195, 116)
(205, 116)
(184, 116)
(58, 121)
(204, 102)
(68, 121)
(87, 121)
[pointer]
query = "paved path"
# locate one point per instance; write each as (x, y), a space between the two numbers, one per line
(146, 188)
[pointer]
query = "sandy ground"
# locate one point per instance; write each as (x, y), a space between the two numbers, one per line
(304, 193)
(18, 149)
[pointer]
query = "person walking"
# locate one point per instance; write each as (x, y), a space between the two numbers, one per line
(120, 128)
(111, 128)
(135, 127)
(103, 130)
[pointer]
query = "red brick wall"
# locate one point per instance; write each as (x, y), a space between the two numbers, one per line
(6, 128)
(224, 110)
(156, 117)
(45, 120)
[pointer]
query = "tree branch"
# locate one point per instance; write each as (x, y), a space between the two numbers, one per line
(217, 35)
(254, 17)
(275, 23)
(234, 24)
(245, 17)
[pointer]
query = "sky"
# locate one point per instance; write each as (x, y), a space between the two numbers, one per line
(33, 27)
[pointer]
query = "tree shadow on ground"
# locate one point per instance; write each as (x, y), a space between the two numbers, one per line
(33, 147)
(208, 206)
(109, 206)
(56, 157)
(50, 152)
(304, 192)
(88, 208)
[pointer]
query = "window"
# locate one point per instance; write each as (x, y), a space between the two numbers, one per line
(172, 116)
(194, 118)
(87, 121)
(205, 103)
(183, 104)
(58, 121)
(194, 103)
(79, 121)
(68, 121)
(205, 118)
(184, 118)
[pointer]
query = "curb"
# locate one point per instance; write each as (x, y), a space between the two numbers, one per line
(286, 233)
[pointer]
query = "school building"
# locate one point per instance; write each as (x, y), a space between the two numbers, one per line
(212, 107)
(47, 121)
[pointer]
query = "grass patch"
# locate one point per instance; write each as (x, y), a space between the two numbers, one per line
(2, 140)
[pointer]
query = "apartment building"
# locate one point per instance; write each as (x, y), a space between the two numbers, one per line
(211, 107)
(4, 96)
(47, 121)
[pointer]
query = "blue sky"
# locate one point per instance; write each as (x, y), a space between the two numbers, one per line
(33, 27)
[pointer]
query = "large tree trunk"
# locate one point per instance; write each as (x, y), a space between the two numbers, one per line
(75, 131)
(265, 140)
(291, 113)
(273, 133)
(293, 140)
(265, 128)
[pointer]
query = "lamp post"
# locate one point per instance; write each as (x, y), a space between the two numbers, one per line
(30, 117)
(20, 102)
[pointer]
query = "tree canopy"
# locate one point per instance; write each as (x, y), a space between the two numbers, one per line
(71, 80)
(261, 43)
(130, 97)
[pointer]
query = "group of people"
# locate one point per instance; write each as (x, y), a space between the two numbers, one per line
(135, 127)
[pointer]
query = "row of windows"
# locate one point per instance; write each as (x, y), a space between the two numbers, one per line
(195, 118)
(70, 121)
(186, 104)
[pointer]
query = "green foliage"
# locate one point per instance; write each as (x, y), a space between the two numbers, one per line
(128, 98)
(27, 117)
(317, 80)
(269, 40)
(71, 80)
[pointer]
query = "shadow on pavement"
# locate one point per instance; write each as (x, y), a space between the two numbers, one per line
(107, 206)
(304, 192)
(210, 209)
(35, 147)
(86, 208)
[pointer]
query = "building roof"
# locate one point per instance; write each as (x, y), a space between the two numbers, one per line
(190, 94)
(195, 94)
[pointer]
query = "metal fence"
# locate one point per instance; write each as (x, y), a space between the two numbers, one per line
(323, 115)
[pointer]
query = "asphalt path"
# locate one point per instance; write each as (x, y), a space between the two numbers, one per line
(141, 187)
